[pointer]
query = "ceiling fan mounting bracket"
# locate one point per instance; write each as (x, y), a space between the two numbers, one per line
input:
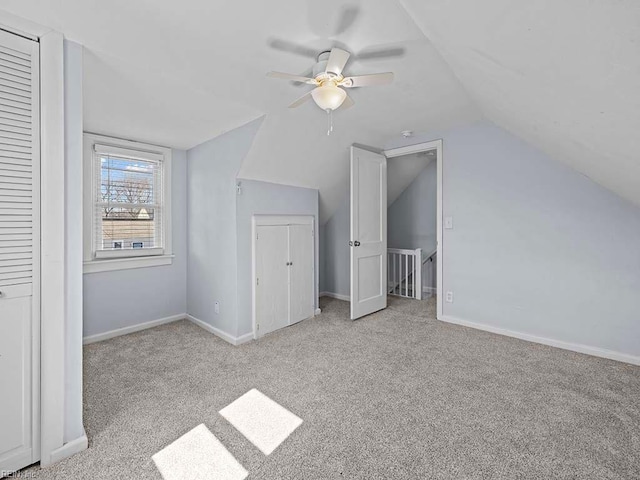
(324, 55)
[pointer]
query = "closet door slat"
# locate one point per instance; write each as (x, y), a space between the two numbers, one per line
(18, 172)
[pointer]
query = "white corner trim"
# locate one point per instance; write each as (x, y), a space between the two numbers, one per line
(317, 312)
(70, 448)
(338, 296)
(220, 333)
(96, 266)
(133, 328)
(574, 347)
(52, 246)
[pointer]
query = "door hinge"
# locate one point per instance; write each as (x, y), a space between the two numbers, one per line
(257, 281)
(257, 235)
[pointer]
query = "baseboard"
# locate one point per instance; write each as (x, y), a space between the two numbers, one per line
(220, 333)
(574, 347)
(133, 328)
(70, 448)
(338, 296)
(247, 337)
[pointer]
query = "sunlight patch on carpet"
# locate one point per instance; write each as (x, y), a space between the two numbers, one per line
(196, 455)
(262, 421)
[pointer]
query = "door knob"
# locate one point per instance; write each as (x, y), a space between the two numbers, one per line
(357, 243)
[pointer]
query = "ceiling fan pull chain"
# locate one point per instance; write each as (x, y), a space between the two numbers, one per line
(329, 122)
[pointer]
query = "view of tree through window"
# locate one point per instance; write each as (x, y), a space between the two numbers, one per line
(128, 203)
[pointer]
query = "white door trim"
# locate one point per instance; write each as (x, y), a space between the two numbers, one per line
(284, 220)
(424, 147)
(52, 344)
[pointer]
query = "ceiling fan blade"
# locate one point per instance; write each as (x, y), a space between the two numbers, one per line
(287, 46)
(337, 60)
(305, 98)
(368, 80)
(374, 53)
(289, 76)
(347, 103)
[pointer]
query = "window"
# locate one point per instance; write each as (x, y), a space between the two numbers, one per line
(127, 204)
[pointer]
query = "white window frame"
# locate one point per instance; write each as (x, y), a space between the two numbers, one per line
(125, 259)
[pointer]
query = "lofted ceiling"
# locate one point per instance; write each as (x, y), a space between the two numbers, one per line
(561, 75)
(181, 73)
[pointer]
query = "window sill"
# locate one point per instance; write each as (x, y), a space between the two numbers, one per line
(95, 266)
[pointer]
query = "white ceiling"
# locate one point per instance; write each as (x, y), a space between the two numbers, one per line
(562, 75)
(402, 171)
(121, 102)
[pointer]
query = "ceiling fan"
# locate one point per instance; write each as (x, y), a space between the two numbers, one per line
(330, 82)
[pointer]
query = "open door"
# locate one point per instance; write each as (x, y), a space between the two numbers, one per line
(368, 242)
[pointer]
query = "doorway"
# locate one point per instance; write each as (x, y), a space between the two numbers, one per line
(369, 197)
(411, 228)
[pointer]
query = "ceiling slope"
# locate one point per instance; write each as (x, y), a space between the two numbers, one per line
(181, 73)
(563, 76)
(293, 148)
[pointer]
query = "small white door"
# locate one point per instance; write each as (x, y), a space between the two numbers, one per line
(368, 243)
(272, 278)
(19, 252)
(301, 272)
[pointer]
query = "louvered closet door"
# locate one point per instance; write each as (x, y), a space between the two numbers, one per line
(19, 251)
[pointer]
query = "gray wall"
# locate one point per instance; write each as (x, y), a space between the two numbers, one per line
(212, 244)
(267, 198)
(123, 298)
(336, 276)
(536, 248)
(73, 427)
(412, 219)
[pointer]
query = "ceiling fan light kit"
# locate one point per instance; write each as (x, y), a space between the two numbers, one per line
(329, 93)
(328, 96)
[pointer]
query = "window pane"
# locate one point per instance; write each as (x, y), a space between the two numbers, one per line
(129, 204)
(126, 181)
(125, 228)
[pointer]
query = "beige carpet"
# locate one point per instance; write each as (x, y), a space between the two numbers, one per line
(393, 395)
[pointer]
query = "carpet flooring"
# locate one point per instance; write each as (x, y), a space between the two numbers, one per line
(395, 395)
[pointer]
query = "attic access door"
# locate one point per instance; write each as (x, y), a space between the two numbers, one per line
(368, 242)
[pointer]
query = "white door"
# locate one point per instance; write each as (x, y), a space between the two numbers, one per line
(19, 252)
(272, 278)
(368, 243)
(301, 272)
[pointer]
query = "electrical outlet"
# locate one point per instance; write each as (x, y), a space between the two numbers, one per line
(449, 297)
(216, 307)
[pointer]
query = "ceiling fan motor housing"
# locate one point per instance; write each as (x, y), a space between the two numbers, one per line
(319, 69)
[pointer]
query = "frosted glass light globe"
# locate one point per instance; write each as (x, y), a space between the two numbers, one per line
(328, 96)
